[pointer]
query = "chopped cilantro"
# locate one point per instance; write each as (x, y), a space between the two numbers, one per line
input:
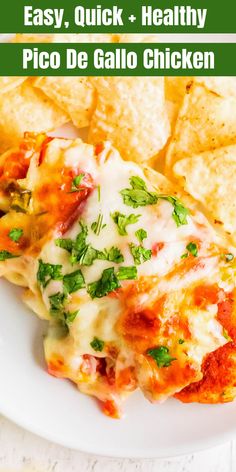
(88, 257)
(99, 193)
(80, 252)
(73, 281)
(58, 312)
(15, 234)
(84, 254)
(47, 272)
(181, 341)
(80, 243)
(193, 249)
(97, 344)
(140, 254)
(161, 356)
(98, 225)
(57, 303)
(70, 316)
(127, 273)
(180, 212)
(138, 195)
(113, 255)
(4, 255)
(106, 284)
(76, 183)
(141, 234)
(122, 221)
(226, 336)
(66, 244)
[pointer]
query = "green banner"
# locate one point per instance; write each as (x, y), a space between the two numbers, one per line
(118, 60)
(122, 16)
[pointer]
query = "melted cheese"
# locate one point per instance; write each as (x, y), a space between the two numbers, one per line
(165, 274)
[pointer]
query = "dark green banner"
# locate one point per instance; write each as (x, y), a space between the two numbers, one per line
(117, 60)
(122, 16)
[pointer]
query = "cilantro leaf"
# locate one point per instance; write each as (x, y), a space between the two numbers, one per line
(113, 255)
(70, 316)
(4, 255)
(80, 242)
(106, 284)
(99, 192)
(138, 194)
(57, 303)
(66, 244)
(226, 335)
(140, 254)
(15, 234)
(97, 344)
(122, 221)
(88, 257)
(47, 272)
(81, 252)
(76, 183)
(141, 234)
(127, 273)
(161, 356)
(192, 249)
(138, 183)
(98, 225)
(58, 312)
(181, 341)
(180, 212)
(73, 281)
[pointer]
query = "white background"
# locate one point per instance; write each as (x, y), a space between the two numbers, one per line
(21, 451)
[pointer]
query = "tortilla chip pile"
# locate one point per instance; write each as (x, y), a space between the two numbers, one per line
(186, 126)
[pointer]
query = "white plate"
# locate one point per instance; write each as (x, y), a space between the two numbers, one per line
(53, 408)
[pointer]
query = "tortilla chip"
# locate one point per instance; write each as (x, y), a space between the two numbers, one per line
(206, 121)
(131, 114)
(26, 109)
(175, 90)
(211, 179)
(8, 83)
(75, 95)
(224, 86)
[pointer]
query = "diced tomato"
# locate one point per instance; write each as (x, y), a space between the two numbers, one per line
(141, 323)
(56, 368)
(110, 409)
(59, 206)
(17, 163)
(156, 248)
(207, 295)
(99, 148)
(126, 379)
(43, 151)
(226, 316)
